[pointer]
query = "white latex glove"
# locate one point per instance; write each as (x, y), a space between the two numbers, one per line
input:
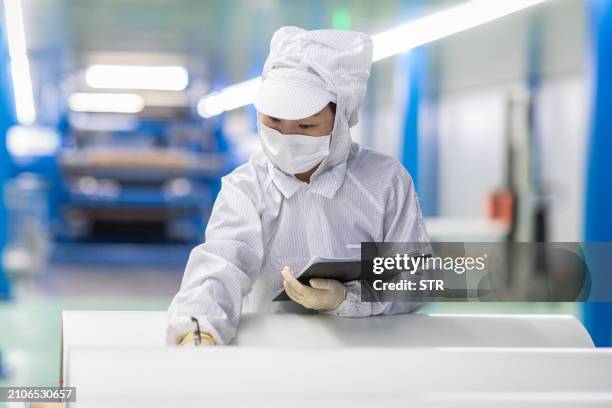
(188, 340)
(322, 294)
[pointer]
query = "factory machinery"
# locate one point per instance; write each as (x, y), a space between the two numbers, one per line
(135, 190)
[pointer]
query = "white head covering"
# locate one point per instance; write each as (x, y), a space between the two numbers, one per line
(306, 70)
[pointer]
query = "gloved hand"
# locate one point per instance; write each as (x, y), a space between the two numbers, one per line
(322, 294)
(188, 340)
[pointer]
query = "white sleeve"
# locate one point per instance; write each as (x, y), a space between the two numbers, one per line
(403, 222)
(221, 271)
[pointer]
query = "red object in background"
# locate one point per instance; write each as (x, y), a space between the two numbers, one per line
(499, 206)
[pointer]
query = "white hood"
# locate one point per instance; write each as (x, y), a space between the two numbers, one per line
(336, 62)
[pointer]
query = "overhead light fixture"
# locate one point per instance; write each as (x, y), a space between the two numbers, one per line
(106, 102)
(443, 24)
(163, 78)
(386, 44)
(25, 109)
(32, 141)
(230, 98)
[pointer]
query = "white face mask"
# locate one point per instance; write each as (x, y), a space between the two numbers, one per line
(293, 153)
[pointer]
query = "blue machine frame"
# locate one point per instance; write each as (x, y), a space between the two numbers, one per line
(193, 206)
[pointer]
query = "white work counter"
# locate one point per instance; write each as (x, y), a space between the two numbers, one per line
(341, 377)
(143, 329)
(319, 359)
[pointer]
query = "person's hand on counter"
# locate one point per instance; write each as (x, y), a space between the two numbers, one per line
(322, 294)
(189, 340)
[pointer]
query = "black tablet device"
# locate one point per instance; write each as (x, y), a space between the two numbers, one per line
(343, 270)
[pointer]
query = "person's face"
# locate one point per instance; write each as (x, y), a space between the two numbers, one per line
(319, 124)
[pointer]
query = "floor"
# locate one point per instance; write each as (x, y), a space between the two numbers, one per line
(31, 322)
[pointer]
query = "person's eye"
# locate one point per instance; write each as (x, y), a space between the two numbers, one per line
(276, 120)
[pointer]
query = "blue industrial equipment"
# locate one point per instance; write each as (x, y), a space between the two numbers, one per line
(598, 214)
(138, 196)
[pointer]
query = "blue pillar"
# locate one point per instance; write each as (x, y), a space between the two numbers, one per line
(6, 115)
(598, 204)
(410, 151)
(420, 137)
(6, 120)
(420, 144)
(412, 65)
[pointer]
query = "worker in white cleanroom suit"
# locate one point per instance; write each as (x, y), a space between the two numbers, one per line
(310, 191)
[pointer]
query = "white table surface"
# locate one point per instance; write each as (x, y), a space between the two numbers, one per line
(119, 359)
(341, 377)
(147, 329)
(108, 328)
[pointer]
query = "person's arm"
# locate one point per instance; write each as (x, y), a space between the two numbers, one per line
(221, 271)
(403, 222)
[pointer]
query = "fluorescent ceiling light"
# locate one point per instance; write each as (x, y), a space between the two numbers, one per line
(386, 44)
(230, 98)
(32, 141)
(443, 24)
(20, 66)
(106, 102)
(164, 78)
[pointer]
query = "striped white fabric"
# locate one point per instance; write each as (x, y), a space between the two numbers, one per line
(301, 64)
(264, 219)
